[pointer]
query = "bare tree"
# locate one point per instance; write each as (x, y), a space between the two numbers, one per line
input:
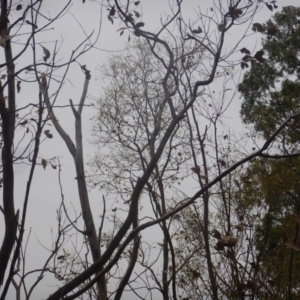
(141, 126)
(22, 31)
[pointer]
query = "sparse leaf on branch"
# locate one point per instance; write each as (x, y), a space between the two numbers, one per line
(195, 274)
(112, 11)
(196, 169)
(257, 27)
(140, 24)
(244, 65)
(48, 134)
(46, 52)
(122, 29)
(197, 31)
(110, 19)
(259, 56)
(222, 163)
(252, 285)
(222, 27)
(235, 12)
(245, 50)
(216, 234)
(44, 163)
(247, 58)
(18, 86)
(269, 6)
(220, 246)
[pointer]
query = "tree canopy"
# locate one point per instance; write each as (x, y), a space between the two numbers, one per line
(270, 90)
(270, 94)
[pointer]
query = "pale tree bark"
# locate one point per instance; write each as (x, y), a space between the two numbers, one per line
(77, 154)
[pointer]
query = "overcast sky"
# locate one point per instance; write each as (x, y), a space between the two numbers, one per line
(45, 194)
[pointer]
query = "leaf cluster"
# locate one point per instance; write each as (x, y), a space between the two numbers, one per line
(270, 90)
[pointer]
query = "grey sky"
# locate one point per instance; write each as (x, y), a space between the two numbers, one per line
(45, 194)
